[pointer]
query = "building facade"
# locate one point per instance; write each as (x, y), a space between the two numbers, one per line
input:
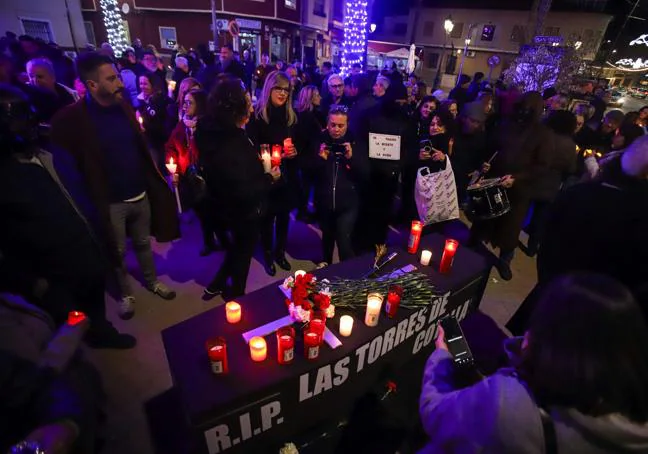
(285, 29)
(59, 21)
(491, 32)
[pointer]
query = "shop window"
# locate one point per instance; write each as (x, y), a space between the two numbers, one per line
(488, 32)
(428, 28)
(433, 60)
(292, 4)
(38, 29)
(319, 8)
(90, 33)
(168, 37)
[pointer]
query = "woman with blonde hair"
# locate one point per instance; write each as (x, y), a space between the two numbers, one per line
(310, 123)
(274, 123)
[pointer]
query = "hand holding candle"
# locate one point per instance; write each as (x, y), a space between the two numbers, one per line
(275, 158)
(75, 317)
(265, 158)
(172, 167)
(171, 85)
(233, 312)
(289, 148)
(258, 349)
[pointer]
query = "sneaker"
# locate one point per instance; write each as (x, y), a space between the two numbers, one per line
(110, 338)
(162, 291)
(127, 308)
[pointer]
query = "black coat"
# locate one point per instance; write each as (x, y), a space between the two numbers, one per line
(307, 137)
(335, 187)
(283, 196)
(233, 172)
(208, 74)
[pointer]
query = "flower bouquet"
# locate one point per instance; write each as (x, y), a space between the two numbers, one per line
(307, 296)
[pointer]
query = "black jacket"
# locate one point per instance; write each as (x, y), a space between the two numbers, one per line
(233, 172)
(335, 188)
(208, 74)
(307, 137)
(600, 226)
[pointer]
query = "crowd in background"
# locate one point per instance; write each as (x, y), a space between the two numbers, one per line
(95, 174)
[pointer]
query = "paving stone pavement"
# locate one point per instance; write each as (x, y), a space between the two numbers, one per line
(133, 377)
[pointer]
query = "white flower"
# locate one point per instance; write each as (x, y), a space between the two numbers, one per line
(289, 448)
(330, 311)
(298, 314)
(288, 282)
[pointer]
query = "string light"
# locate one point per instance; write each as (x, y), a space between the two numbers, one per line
(355, 34)
(114, 26)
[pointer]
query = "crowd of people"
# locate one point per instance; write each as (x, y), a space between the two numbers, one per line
(86, 148)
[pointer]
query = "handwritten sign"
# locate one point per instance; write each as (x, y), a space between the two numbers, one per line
(384, 146)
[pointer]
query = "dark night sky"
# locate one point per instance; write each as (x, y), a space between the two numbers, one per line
(618, 8)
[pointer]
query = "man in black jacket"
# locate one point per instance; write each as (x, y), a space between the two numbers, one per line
(227, 64)
(599, 226)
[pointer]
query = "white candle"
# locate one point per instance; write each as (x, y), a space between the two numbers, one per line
(171, 84)
(258, 349)
(426, 256)
(233, 312)
(346, 325)
(171, 166)
(267, 162)
(374, 303)
(299, 273)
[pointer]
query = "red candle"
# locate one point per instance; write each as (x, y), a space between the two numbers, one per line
(311, 345)
(217, 352)
(448, 255)
(285, 345)
(415, 237)
(318, 324)
(275, 157)
(75, 317)
(393, 300)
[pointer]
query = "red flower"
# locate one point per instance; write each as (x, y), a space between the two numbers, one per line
(288, 302)
(391, 386)
(306, 306)
(325, 301)
(309, 278)
(299, 293)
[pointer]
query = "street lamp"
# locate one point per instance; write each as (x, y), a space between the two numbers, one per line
(448, 26)
(465, 50)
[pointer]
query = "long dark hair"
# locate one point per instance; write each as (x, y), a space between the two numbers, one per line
(588, 348)
(227, 104)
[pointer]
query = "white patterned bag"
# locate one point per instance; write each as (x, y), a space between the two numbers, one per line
(436, 195)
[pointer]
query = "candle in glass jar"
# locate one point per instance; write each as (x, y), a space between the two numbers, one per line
(415, 237)
(374, 303)
(318, 323)
(233, 312)
(217, 352)
(394, 297)
(346, 325)
(300, 273)
(265, 158)
(426, 257)
(75, 317)
(275, 158)
(258, 349)
(285, 345)
(312, 342)
(171, 85)
(448, 255)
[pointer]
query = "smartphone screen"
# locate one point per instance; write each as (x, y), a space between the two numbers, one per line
(456, 341)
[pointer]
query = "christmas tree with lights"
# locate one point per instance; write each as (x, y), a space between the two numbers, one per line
(355, 34)
(114, 27)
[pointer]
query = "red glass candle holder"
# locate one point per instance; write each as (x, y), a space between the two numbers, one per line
(448, 255)
(285, 345)
(217, 352)
(312, 342)
(394, 297)
(75, 317)
(275, 157)
(415, 237)
(317, 323)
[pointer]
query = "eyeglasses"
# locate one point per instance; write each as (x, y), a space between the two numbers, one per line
(336, 86)
(283, 89)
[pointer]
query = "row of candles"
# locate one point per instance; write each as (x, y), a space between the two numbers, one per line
(426, 256)
(313, 334)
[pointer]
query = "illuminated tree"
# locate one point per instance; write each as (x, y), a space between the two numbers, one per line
(114, 26)
(355, 34)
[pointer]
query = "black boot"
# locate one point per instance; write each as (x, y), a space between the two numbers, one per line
(503, 265)
(269, 264)
(280, 258)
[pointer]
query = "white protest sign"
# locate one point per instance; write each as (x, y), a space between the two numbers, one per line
(384, 146)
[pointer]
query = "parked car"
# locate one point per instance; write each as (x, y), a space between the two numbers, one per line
(639, 92)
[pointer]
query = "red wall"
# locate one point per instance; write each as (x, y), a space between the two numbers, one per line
(250, 7)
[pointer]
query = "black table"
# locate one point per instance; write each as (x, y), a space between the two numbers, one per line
(261, 405)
